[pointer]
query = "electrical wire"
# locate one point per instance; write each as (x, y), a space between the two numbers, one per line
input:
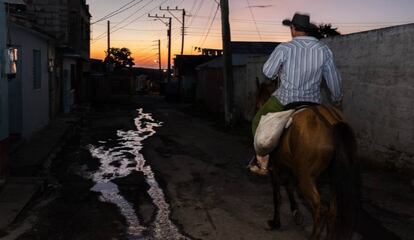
(116, 12)
(134, 20)
(104, 34)
(207, 23)
(196, 13)
(253, 18)
(211, 24)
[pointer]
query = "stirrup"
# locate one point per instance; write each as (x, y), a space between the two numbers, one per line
(255, 168)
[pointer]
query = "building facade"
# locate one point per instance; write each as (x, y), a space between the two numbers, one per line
(4, 113)
(29, 88)
(247, 60)
(68, 22)
(47, 44)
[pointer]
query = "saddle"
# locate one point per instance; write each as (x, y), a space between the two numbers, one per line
(272, 126)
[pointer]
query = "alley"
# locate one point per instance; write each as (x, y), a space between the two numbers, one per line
(132, 119)
(150, 170)
(101, 187)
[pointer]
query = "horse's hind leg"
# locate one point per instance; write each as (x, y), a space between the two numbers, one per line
(275, 223)
(312, 196)
(290, 190)
(330, 219)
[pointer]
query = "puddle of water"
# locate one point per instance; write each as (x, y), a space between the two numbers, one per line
(129, 143)
(110, 193)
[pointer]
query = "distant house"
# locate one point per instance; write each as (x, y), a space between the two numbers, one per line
(186, 74)
(248, 60)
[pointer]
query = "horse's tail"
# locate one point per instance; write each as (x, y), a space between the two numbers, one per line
(346, 181)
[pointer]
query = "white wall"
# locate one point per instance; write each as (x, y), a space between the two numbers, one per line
(35, 102)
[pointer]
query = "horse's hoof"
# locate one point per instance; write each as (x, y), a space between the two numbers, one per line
(273, 225)
(298, 217)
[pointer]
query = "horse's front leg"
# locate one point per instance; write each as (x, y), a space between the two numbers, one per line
(275, 223)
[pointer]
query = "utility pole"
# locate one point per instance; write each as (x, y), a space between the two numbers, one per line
(183, 33)
(182, 22)
(169, 50)
(228, 63)
(158, 44)
(159, 55)
(169, 40)
(109, 39)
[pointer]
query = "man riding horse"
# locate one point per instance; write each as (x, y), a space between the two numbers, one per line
(300, 65)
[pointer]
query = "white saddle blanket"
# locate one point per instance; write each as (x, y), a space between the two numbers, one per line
(269, 130)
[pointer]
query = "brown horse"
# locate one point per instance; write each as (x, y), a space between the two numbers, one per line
(318, 141)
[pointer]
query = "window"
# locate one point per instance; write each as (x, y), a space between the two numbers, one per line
(37, 69)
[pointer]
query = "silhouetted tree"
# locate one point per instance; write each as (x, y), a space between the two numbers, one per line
(120, 58)
(324, 31)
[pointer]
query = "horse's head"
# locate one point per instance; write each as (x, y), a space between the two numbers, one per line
(264, 91)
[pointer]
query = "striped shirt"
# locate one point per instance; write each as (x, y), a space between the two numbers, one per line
(300, 64)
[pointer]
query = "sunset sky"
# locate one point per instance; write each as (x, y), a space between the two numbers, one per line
(251, 20)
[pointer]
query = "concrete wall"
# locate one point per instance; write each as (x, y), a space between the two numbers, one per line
(240, 93)
(68, 21)
(67, 88)
(377, 68)
(35, 102)
(245, 71)
(4, 116)
(53, 16)
(4, 129)
(55, 83)
(209, 89)
(79, 27)
(254, 70)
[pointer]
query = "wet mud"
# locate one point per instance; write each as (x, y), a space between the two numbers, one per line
(103, 188)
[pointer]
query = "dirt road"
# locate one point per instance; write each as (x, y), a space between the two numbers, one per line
(149, 171)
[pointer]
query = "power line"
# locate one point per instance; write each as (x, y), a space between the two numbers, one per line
(193, 6)
(110, 13)
(207, 22)
(140, 16)
(253, 18)
(211, 24)
(118, 11)
(129, 23)
(196, 13)
(131, 15)
(128, 17)
(119, 23)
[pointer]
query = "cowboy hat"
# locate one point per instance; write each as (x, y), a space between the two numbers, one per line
(300, 20)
